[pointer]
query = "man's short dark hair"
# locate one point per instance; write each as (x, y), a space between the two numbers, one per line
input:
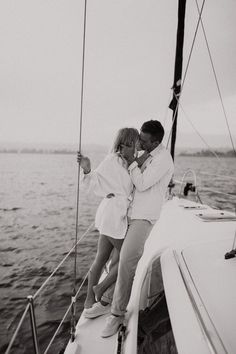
(155, 129)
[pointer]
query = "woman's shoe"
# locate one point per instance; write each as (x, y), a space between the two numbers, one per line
(97, 310)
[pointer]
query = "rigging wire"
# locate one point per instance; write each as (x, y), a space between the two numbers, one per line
(216, 79)
(186, 70)
(193, 126)
(167, 110)
(78, 182)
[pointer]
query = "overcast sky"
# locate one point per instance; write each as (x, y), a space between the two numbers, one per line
(130, 48)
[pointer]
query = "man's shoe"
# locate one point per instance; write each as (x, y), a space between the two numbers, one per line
(97, 310)
(112, 325)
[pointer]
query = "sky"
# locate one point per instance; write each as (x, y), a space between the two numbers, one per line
(129, 64)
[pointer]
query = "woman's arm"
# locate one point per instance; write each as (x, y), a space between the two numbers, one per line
(93, 181)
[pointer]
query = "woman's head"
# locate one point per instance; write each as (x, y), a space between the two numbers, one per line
(127, 137)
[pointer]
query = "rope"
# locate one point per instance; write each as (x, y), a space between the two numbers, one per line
(201, 137)
(80, 138)
(216, 79)
(80, 143)
(167, 110)
(186, 70)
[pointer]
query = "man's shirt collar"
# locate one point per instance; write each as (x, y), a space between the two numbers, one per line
(157, 150)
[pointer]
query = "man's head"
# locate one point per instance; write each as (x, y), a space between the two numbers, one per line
(151, 135)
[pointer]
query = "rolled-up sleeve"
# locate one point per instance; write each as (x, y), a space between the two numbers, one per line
(92, 183)
(151, 175)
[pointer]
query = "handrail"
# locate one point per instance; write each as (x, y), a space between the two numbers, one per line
(41, 288)
(185, 174)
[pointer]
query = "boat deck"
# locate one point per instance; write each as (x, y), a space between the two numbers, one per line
(179, 228)
(88, 338)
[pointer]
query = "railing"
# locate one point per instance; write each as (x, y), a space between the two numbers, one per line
(189, 171)
(30, 306)
(197, 188)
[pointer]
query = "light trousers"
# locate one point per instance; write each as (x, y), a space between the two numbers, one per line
(131, 251)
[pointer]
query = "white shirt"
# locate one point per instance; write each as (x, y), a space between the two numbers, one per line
(111, 176)
(151, 182)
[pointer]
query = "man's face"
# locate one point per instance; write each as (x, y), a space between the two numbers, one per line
(146, 142)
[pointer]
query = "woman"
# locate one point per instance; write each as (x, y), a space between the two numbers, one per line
(111, 181)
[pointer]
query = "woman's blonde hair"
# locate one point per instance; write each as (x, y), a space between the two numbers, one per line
(125, 136)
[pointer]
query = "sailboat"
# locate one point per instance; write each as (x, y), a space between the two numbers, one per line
(185, 285)
(186, 274)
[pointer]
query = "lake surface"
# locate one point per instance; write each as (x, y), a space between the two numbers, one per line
(37, 229)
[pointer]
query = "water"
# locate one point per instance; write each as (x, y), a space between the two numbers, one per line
(37, 228)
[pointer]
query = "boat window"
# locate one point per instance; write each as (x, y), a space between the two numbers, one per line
(154, 328)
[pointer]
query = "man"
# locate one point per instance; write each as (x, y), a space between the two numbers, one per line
(151, 181)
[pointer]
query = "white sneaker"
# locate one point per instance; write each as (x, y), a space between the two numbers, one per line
(97, 310)
(112, 325)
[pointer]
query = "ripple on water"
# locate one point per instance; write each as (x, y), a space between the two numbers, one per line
(10, 209)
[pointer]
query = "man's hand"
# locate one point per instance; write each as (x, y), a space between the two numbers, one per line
(141, 159)
(128, 153)
(84, 162)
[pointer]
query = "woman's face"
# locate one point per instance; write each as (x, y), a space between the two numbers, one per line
(138, 145)
(133, 147)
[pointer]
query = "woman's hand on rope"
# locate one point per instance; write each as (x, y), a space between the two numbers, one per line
(84, 162)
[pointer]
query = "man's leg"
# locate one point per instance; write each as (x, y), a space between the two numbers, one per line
(131, 252)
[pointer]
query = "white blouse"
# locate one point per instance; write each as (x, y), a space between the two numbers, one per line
(111, 176)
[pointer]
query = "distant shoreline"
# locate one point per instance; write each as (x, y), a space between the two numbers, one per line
(202, 153)
(208, 153)
(37, 151)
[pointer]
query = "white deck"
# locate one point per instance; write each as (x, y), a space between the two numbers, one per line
(178, 228)
(88, 338)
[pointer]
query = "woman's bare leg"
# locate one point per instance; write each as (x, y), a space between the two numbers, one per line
(101, 287)
(103, 253)
(110, 279)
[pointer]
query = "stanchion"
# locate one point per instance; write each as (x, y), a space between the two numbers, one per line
(33, 324)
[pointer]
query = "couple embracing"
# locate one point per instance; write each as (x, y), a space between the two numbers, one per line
(133, 181)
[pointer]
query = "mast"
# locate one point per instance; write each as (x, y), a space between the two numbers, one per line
(178, 72)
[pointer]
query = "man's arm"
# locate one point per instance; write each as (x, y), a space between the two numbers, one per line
(128, 154)
(151, 175)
